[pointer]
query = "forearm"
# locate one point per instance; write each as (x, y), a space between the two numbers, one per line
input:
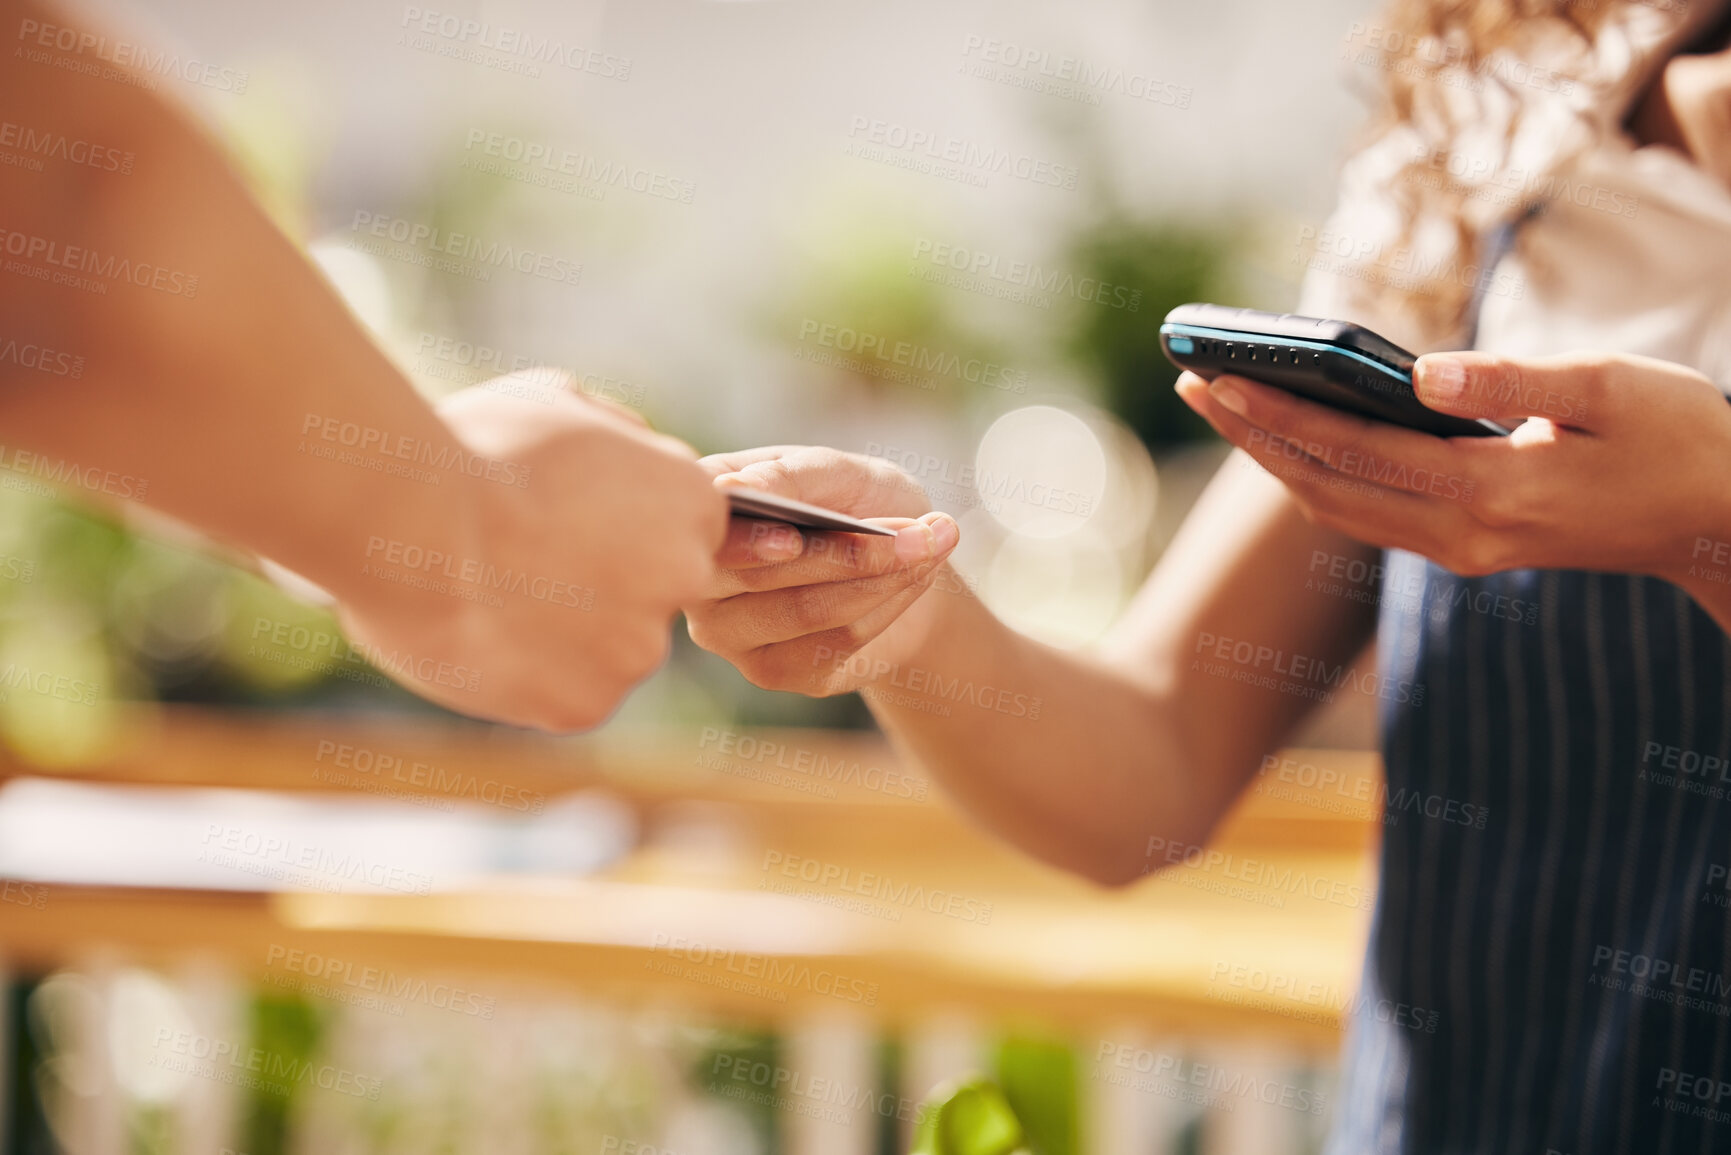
(1154, 734)
(1059, 753)
(1707, 575)
(210, 399)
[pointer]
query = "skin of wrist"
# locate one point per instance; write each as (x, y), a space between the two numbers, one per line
(1703, 564)
(415, 529)
(941, 620)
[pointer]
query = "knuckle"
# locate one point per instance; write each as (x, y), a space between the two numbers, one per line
(1597, 368)
(810, 608)
(768, 668)
(1496, 507)
(699, 627)
(569, 715)
(758, 579)
(758, 670)
(1476, 555)
(777, 472)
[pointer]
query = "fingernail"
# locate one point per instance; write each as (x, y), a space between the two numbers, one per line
(1229, 396)
(777, 543)
(914, 542)
(945, 533)
(744, 480)
(1440, 379)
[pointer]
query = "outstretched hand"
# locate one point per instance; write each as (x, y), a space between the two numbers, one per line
(1621, 464)
(811, 612)
(546, 592)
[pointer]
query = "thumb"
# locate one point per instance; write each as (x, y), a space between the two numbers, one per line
(840, 481)
(1508, 390)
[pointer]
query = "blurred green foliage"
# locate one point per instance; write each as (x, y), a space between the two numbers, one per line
(26, 1123)
(289, 1029)
(970, 1118)
(1171, 263)
(852, 312)
(741, 1050)
(1038, 1075)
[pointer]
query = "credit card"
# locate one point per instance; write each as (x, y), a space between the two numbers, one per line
(769, 507)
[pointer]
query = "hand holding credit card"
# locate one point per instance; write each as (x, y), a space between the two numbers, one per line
(767, 506)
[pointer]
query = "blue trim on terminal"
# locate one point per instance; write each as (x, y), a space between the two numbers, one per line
(1184, 332)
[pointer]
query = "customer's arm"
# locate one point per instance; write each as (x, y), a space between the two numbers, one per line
(1079, 758)
(226, 384)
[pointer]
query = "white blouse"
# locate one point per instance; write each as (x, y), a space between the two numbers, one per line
(1633, 257)
(1632, 252)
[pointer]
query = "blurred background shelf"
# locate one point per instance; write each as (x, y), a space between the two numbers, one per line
(698, 879)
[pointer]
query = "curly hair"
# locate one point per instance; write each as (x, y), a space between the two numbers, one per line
(1447, 65)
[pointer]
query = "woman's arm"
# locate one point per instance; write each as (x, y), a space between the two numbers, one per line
(1082, 759)
(225, 384)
